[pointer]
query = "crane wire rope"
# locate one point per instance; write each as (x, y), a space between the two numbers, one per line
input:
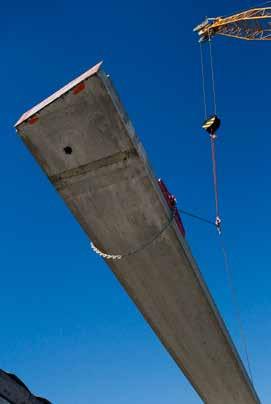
(234, 297)
(212, 73)
(202, 219)
(226, 262)
(203, 81)
(212, 135)
(213, 153)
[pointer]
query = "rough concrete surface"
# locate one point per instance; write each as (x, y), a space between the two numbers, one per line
(109, 186)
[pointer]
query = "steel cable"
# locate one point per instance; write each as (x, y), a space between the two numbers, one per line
(203, 81)
(234, 297)
(213, 74)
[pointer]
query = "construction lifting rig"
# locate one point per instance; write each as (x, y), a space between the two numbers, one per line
(84, 141)
(253, 24)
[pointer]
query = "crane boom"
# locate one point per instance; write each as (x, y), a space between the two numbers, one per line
(253, 24)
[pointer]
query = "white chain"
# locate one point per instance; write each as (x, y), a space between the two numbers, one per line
(102, 254)
(138, 249)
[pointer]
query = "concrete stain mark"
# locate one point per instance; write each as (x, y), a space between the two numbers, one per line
(59, 180)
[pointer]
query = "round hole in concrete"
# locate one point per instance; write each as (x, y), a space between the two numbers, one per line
(68, 150)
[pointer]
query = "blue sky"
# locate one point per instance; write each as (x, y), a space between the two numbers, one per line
(68, 329)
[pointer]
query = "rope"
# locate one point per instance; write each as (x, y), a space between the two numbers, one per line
(218, 220)
(142, 247)
(236, 305)
(213, 74)
(203, 81)
(138, 249)
(197, 217)
(213, 135)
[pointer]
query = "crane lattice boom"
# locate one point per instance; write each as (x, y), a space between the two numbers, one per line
(253, 24)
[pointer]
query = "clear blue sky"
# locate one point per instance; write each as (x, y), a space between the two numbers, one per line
(68, 329)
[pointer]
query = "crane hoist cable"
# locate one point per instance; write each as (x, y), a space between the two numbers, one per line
(211, 125)
(234, 297)
(203, 81)
(253, 24)
(212, 73)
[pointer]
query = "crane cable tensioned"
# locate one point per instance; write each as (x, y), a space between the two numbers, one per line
(212, 73)
(234, 297)
(203, 81)
(213, 151)
(211, 125)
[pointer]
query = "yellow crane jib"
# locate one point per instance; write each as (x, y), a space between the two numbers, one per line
(253, 24)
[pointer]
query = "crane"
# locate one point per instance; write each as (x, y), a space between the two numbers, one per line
(252, 24)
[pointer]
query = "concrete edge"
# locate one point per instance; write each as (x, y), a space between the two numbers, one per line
(197, 273)
(37, 108)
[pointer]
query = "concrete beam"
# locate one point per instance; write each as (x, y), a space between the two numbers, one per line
(86, 144)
